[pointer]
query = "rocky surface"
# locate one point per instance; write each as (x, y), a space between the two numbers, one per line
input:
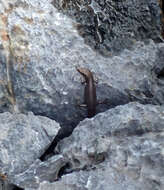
(45, 47)
(40, 48)
(23, 139)
(119, 149)
(110, 26)
(39, 172)
(55, 86)
(6, 186)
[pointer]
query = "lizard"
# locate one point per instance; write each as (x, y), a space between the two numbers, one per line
(90, 98)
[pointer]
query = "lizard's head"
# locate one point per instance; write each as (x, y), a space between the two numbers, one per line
(85, 72)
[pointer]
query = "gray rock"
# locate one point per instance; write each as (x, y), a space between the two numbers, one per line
(104, 178)
(46, 48)
(23, 139)
(39, 172)
(111, 26)
(43, 72)
(4, 185)
(124, 143)
(39, 50)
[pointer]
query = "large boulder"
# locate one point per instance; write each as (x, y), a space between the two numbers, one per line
(110, 26)
(120, 149)
(23, 139)
(42, 50)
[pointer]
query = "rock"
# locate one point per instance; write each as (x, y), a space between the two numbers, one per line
(43, 74)
(121, 148)
(105, 178)
(40, 48)
(4, 185)
(110, 26)
(23, 139)
(39, 172)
